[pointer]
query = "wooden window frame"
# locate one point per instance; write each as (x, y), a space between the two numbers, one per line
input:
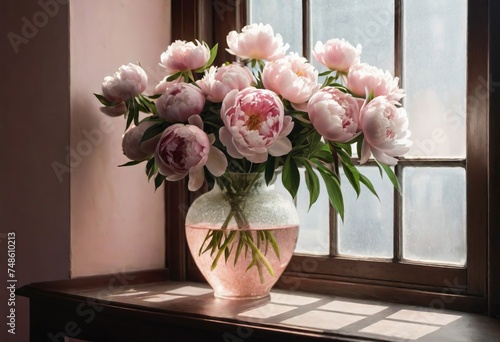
(475, 288)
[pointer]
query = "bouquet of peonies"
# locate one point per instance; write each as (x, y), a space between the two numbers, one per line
(261, 113)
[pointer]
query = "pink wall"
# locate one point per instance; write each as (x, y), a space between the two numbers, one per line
(117, 221)
(97, 218)
(34, 132)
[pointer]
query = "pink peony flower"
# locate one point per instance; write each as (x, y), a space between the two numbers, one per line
(125, 84)
(179, 102)
(185, 150)
(164, 85)
(184, 56)
(217, 82)
(255, 125)
(334, 114)
(131, 142)
(337, 54)
(256, 41)
(386, 131)
(291, 77)
(116, 110)
(364, 79)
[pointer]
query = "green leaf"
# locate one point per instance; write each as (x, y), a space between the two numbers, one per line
(324, 73)
(333, 188)
(238, 249)
(149, 105)
(363, 179)
(270, 238)
(188, 75)
(159, 180)
(174, 77)
(270, 167)
(130, 117)
(345, 158)
(359, 147)
(133, 162)
(315, 140)
(260, 256)
(150, 166)
(352, 175)
(135, 111)
(328, 81)
(104, 100)
(208, 236)
(312, 182)
(323, 155)
(154, 130)
(392, 176)
(223, 248)
(291, 176)
(213, 54)
(346, 147)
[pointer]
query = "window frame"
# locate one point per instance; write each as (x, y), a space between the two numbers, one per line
(474, 288)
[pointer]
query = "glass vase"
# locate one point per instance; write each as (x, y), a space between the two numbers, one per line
(242, 235)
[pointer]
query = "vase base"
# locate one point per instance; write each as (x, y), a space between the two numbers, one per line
(264, 296)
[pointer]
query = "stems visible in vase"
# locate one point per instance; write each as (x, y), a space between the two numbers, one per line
(222, 242)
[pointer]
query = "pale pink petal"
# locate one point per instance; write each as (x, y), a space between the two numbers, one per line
(196, 120)
(280, 147)
(196, 180)
(384, 158)
(227, 140)
(217, 162)
(287, 126)
(258, 157)
(176, 177)
(114, 111)
(365, 152)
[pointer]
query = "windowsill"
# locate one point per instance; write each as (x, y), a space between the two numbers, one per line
(190, 308)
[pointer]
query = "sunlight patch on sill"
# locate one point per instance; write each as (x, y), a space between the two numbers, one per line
(410, 331)
(161, 298)
(291, 299)
(323, 320)
(129, 293)
(424, 317)
(352, 308)
(189, 291)
(268, 311)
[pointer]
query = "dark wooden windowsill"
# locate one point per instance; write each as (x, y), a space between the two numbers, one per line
(146, 306)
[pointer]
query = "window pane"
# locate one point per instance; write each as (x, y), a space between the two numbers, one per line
(434, 214)
(367, 229)
(369, 23)
(285, 16)
(434, 72)
(314, 236)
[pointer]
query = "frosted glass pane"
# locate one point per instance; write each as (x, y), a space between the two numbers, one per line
(434, 72)
(285, 16)
(434, 214)
(314, 236)
(367, 229)
(369, 23)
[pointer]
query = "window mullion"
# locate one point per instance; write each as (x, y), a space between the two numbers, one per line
(398, 71)
(306, 29)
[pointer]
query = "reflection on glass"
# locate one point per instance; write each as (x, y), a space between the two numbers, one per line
(434, 214)
(369, 23)
(314, 236)
(434, 73)
(367, 229)
(285, 16)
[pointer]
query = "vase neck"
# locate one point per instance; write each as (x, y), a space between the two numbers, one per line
(241, 183)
